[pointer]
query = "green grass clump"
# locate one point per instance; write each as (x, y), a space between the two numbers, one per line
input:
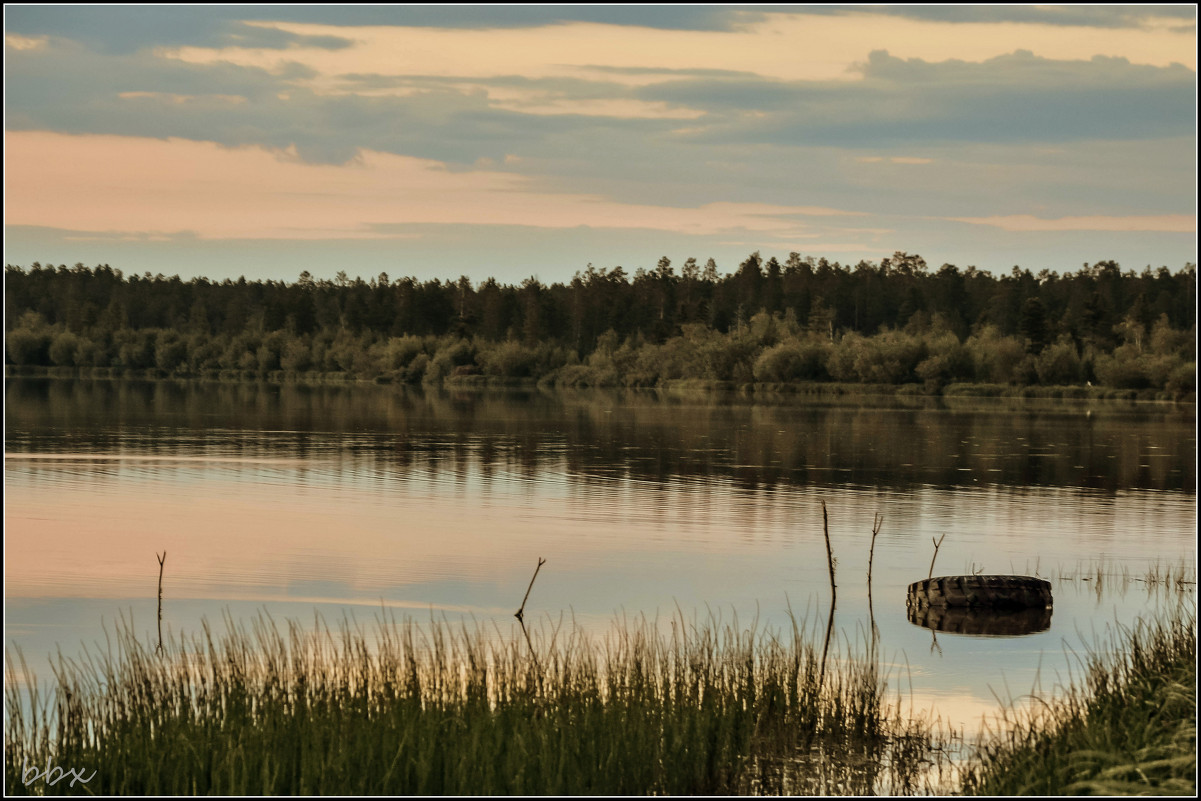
(447, 710)
(1131, 729)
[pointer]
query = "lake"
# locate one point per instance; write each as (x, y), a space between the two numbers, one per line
(345, 499)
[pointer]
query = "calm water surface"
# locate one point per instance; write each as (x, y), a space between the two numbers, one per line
(342, 499)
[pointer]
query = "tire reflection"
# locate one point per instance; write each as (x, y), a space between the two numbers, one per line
(977, 621)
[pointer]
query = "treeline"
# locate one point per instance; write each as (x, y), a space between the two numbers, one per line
(890, 322)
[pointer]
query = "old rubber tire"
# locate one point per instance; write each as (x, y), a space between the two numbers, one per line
(985, 592)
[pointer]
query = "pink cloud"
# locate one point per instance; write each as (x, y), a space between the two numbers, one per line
(154, 187)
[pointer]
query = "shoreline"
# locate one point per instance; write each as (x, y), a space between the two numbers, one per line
(755, 390)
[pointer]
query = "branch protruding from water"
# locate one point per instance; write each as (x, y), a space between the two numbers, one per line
(937, 545)
(520, 613)
(829, 554)
(161, 560)
(821, 679)
(877, 524)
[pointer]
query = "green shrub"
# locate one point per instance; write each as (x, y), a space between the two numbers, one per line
(730, 359)
(297, 356)
(1059, 363)
(415, 372)
(400, 351)
(1124, 369)
(64, 349)
(451, 355)
(1183, 379)
(996, 357)
(170, 351)
(135, 349)
(27, 347)
(840, 363)
(509, 359)
(948, 360)
(793, 361)
(890, 357)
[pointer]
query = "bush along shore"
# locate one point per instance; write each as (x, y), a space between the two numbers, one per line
(440, 709)
(1130, 728)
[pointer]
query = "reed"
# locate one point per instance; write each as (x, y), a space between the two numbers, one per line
(446, 708)
(1181, 572)
(1128, 728)
(1171, 580)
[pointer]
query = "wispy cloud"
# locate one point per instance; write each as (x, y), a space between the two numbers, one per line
(18, 42)
(1181, 223)
(213, 192)
(178, 99)
(1013, 97)
(1139, 17)
(893, 160)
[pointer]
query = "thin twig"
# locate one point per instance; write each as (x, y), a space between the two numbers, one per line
(877, 524)
(520, 613)
(821, 674)
(529, 643)
(161, 560)
(937, 544)
(821, 678)
(829, 554)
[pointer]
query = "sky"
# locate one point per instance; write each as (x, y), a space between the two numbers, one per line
(518, 141)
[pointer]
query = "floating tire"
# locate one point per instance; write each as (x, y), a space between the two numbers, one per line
(980, 592)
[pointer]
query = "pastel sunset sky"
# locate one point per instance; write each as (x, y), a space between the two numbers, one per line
(534, 140)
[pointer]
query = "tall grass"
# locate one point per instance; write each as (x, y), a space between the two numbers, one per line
(446, 709)
(1130, 728)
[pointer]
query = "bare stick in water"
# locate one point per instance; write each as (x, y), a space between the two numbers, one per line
(161, 560)
(821, 678)
(877, 523)
(821, 675)
(937, 544)
(829, 553)
(529, 644)
(520, 613)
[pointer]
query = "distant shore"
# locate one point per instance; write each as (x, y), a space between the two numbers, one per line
(754, 389)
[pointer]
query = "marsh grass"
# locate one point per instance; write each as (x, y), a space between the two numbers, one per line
(1129, 727)
(1171, 580)
(1178, 575)
(450, 709)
